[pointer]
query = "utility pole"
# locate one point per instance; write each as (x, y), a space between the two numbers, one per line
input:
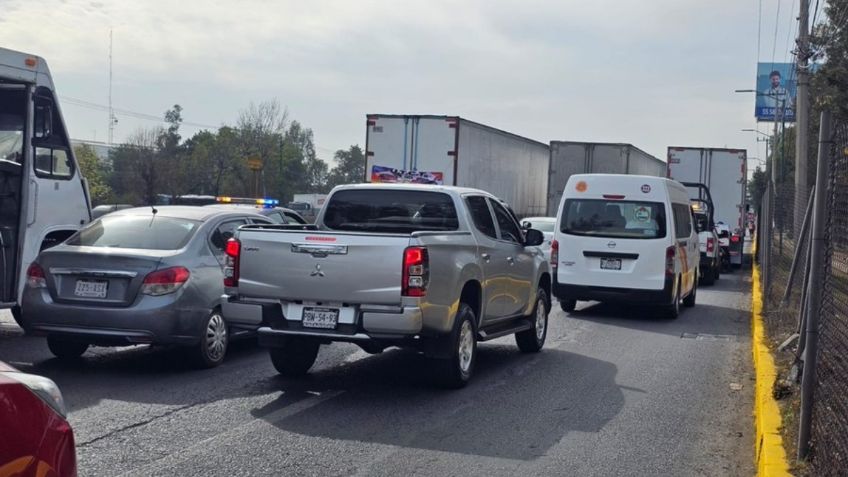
(802, 117)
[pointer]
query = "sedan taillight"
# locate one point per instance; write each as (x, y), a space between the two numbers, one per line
(165, 281)
(35, 276)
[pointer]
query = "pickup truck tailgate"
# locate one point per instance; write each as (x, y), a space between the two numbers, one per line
(326, 267)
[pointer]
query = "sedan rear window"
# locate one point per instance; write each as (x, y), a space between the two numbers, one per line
(136, 231)
(391, 211)
(614, 218)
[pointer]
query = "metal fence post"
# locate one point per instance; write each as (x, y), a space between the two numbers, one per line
(799, 248)
(816, 268)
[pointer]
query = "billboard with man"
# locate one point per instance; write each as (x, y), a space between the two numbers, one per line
(775, 92)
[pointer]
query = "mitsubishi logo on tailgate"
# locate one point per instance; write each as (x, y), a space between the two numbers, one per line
(611, 244)
(317, 272)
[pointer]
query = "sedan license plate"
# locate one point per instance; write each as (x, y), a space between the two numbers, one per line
(324, 318)
(610, 264)
(91, 288)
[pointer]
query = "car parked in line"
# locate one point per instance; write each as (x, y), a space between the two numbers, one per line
(546, 225)
(708, 241)
(36, 439)
(433, 268)
(277, 215)
(137, 276)
(625, 239)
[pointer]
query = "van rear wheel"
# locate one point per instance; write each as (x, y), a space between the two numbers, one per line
(568, 305)
(673, 311)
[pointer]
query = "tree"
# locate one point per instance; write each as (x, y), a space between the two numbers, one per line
(350, 167)
(757, 187)
(137, 167)
(96, 173)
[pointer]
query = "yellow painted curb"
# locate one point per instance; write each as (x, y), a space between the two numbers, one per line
(770, 455)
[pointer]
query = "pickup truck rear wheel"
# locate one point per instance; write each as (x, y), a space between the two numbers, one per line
(295, 357)
(455, 371)
(532, 340)
(568, 305)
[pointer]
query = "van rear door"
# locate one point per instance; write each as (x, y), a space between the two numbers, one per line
(613, 241)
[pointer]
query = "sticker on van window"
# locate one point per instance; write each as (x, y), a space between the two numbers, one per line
(646, 188)
(642, 214)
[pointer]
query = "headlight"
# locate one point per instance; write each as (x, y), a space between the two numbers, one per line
(42, 387)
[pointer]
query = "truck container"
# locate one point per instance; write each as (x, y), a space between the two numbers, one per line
(451, 150)
(308, 205)
(571, 157)
(724, 172)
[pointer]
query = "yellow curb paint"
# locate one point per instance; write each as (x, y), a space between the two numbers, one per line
(770, 455)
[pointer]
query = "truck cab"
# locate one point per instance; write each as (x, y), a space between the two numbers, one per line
(43, 197)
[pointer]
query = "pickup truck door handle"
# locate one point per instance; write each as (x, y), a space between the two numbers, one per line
(485, 256)
(684, 243)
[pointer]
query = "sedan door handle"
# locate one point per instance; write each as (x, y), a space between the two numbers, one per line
(485, 256)
(510, 260)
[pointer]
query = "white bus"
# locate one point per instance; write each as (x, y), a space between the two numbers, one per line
(43, 196)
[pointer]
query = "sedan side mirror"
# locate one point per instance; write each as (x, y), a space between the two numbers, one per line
(533, 238)
(526, 225)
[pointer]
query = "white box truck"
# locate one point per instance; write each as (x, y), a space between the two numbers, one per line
(725, 172)
(451, 150)
(573, 157)
(307, 205)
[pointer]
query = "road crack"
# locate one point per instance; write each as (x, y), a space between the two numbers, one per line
(137, 424)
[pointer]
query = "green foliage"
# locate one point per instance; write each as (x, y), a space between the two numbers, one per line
(350, 167)
(96, 172)
(157, 161)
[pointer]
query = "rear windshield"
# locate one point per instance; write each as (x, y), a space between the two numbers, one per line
(614, 218)
(136, 231)
(391, 211)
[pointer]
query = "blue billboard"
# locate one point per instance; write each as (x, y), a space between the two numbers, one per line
(775, 92)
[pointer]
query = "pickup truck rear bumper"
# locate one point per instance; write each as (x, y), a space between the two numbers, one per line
(368, 323)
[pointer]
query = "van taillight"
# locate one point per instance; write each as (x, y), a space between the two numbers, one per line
(710, 245)
(734, 238)
(231, 267)
(416, 272)
(554, 256)
(670, 254)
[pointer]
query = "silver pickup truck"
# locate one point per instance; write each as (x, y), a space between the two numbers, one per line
(430, 267)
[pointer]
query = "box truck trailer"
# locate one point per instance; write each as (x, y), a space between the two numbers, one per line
(725, 172)
(451, 150)
(572, 157)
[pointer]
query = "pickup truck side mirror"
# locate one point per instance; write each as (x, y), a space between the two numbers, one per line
(533, 238)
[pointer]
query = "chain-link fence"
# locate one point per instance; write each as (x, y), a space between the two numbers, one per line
(786, 256)
(830, 398)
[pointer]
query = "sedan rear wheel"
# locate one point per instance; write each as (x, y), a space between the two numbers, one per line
(64, 348)
(213, 344)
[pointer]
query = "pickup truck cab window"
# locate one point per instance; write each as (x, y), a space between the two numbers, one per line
(509, 229)
(481, 215)
(390, 211)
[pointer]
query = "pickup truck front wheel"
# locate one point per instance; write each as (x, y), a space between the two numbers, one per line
(532, 340)
(455, 371)
(295, 357)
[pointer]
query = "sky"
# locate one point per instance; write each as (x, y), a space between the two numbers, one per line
(654, 74)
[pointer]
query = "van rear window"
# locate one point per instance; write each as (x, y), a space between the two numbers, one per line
(614, 218)
(390, 211)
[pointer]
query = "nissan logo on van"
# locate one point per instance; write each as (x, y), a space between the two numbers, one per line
(611, 244)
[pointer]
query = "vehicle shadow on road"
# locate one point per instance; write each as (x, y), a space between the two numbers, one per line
(517, 407)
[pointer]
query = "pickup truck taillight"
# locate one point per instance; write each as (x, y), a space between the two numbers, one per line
(416, 271)
(231, 266)
(670, 253)
(554, 256)
(710, 245)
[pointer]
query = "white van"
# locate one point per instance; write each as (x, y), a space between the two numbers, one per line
(626, 239)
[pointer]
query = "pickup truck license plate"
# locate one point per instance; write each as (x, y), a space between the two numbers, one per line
(610, 264)
(324, 318)
(91, 288)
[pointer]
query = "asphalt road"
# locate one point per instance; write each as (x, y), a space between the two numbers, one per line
(616, 391)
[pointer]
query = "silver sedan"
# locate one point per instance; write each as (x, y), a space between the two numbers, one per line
(135, 276)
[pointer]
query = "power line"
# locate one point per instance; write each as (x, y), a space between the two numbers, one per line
(776, 25)
(125, 112)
